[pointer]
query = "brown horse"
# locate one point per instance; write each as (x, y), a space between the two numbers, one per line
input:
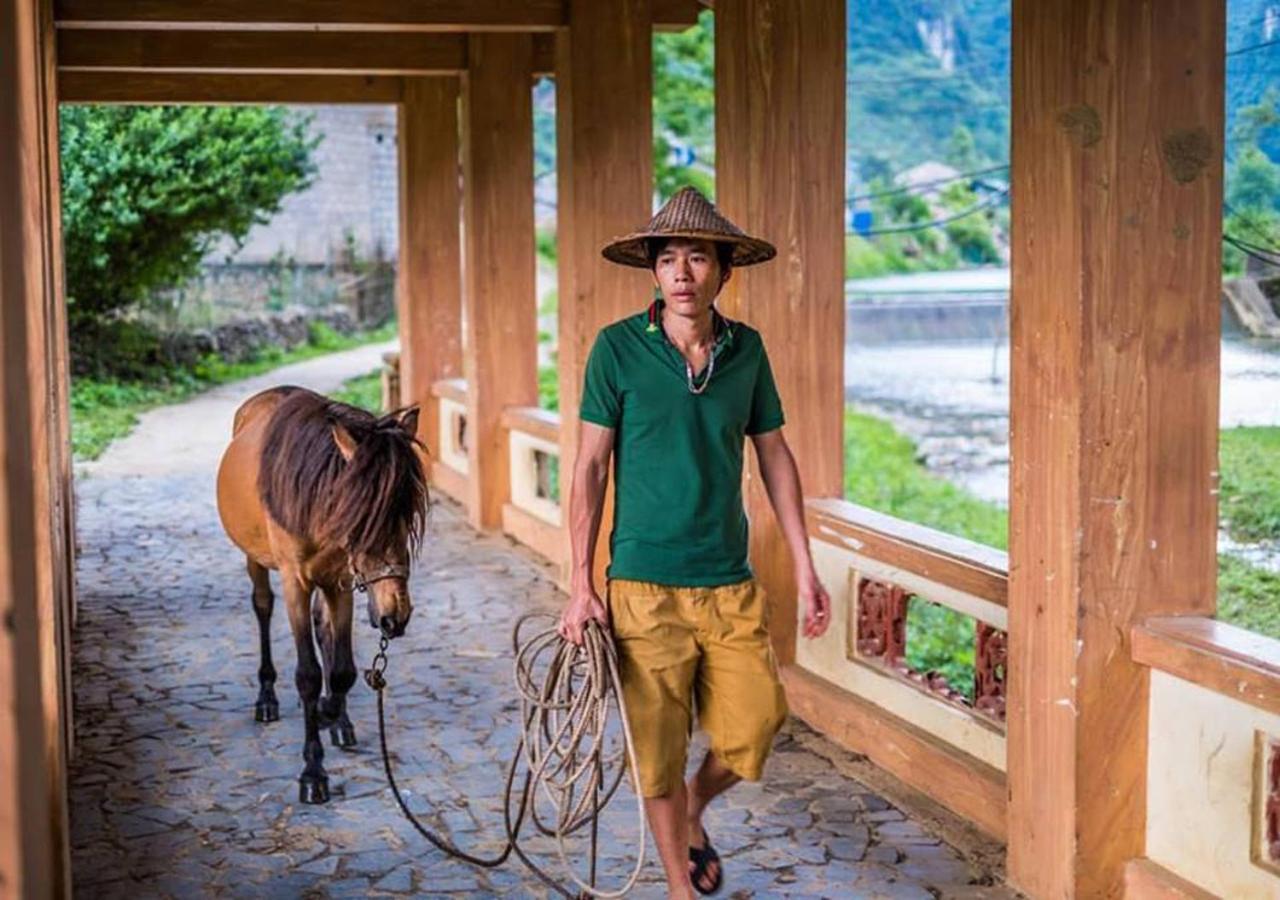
(335, 499)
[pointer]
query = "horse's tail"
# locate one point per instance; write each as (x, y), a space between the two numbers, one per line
(259, 403)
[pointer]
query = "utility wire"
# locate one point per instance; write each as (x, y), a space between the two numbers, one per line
(937, 223)
(960, 176)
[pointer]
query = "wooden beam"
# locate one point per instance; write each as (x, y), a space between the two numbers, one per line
(1117, 170)
(1147, 880)
(33, 600)
(316, 53)
(500, 353)
(429, 275)
(780, 174)
(420, 15)
(604, 159)
(1236, 663)
(368, 53)
(965, 785)
(347, 15)
(165, 87)
(944, 558)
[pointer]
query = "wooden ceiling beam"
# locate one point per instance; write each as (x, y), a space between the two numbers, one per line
(342, 15)
(185, 87)
(377, 15)
(154, 51)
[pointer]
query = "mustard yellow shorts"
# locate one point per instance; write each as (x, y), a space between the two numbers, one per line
(709, 644)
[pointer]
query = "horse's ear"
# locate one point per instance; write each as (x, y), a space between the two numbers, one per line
(346, 443)
(408, 420)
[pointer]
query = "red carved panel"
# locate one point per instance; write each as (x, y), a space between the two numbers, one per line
(990, 670)
(882, 621)
(1273, 801)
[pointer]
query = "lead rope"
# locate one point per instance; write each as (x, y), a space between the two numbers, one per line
(564, 717)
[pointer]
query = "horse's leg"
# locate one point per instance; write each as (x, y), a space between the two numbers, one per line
(268, 707)
(313, 783)
(333, 624)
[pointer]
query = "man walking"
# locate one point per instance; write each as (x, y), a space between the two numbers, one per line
(670, 393)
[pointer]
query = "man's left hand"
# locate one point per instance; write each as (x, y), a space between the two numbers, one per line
(817, 605)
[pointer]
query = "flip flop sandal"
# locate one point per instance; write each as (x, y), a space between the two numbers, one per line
(702, 858)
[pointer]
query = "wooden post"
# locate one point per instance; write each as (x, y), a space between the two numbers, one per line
(604, 150)
(429, 280)
(500, 354)
(34, 588)
(1117, 187)
(780, 174)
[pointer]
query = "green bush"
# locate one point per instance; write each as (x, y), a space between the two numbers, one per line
(1250, 482)
(147, 190)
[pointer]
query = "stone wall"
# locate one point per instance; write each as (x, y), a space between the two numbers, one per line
(246, 339)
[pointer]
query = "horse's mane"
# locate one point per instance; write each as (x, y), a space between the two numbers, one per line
(313, 492)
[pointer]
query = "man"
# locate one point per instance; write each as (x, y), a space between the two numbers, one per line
(670, 393)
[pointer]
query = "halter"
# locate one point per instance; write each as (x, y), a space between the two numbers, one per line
(361, 582)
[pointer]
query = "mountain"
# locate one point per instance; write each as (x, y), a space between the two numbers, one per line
(920, 69)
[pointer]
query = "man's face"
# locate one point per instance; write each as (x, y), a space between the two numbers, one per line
(688, 274)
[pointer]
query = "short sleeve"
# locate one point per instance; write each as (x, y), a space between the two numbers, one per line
(601, 400)
(766, 405)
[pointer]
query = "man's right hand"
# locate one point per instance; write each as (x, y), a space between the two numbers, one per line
(584, 605)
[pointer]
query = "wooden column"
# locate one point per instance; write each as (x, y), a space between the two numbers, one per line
(500, 354)
(34, 569)
(429, 279)
(780, 174)
(604, 158)
(1117, 202)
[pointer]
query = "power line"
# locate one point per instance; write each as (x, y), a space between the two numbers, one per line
(1252, 47)
(1248, 250)
(937, 223)
(927, 184)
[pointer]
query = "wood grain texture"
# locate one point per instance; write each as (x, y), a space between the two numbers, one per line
(190, 51)
(1236, 663)
(451, 389)
(500, 351)
(962, 783)
(429, 274)
(421, 15)
(541, 423)
(955, 562)
(604, 160)
(1147, 880)
(780, 140)
(186, 88)
(33, 567)
(310, 52)
(1117, 180)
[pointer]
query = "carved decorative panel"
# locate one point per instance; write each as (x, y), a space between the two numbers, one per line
(989, 671)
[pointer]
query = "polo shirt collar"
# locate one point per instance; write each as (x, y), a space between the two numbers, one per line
(722, 326)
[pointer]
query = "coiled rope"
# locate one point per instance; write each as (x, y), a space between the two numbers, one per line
(568, 695)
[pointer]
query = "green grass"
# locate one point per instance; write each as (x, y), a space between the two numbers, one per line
(1249, 461)
(364, 392)
(104, 410)
(883, 472)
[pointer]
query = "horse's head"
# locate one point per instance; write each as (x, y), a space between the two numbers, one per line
(379, 512)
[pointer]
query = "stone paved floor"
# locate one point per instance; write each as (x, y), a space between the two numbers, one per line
(176, 791)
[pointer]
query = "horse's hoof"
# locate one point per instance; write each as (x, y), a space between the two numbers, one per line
(313, 790)
(343, 736)
(266, 711)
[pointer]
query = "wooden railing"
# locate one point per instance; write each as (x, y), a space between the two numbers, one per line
(533, 514)
(1213, 757)
(857, 681)
(450, 466)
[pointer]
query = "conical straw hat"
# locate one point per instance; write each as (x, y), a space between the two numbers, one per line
(688, 215)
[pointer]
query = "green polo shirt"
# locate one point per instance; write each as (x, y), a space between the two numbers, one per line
(678, 514)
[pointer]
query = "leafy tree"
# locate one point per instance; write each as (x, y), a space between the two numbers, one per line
(684, 106)
(147, 190)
